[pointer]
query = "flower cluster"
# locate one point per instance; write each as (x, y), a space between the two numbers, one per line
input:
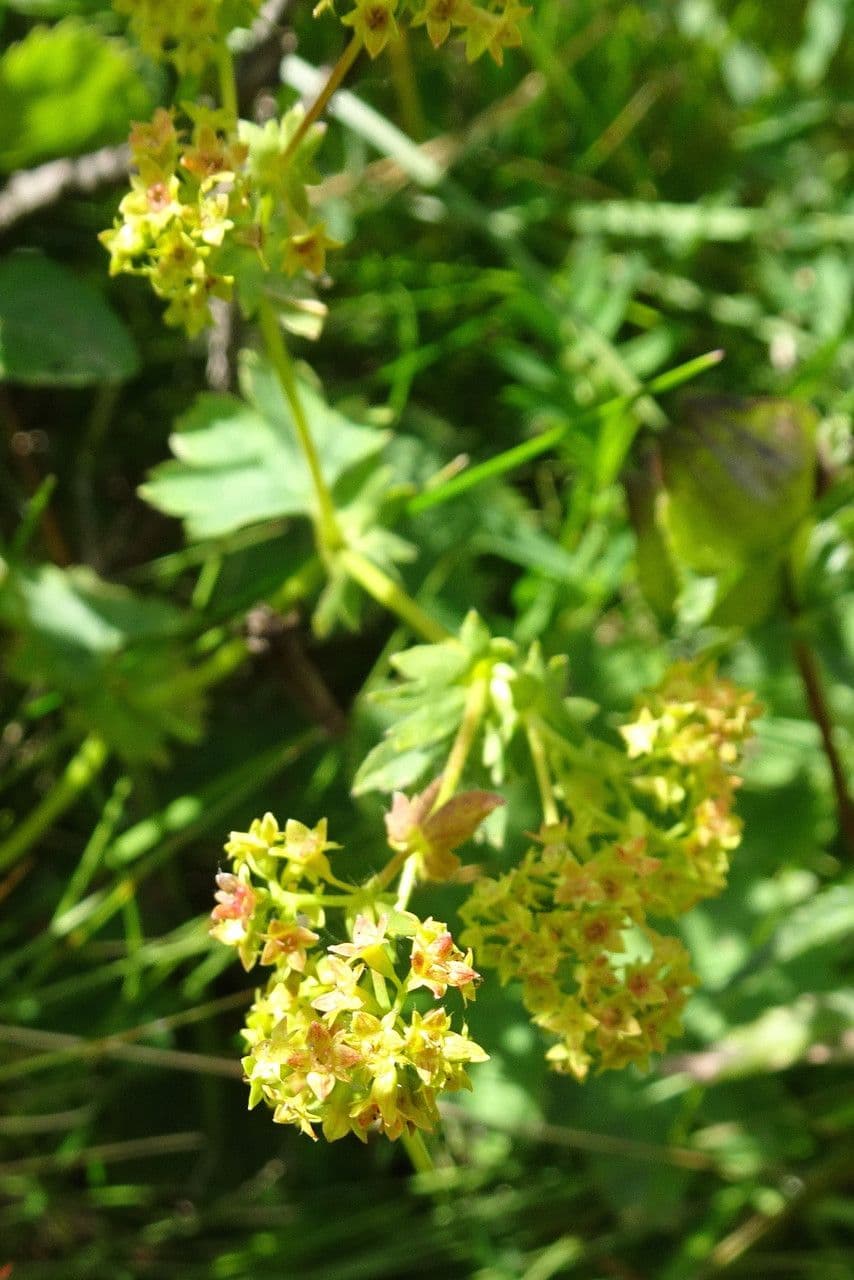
(217, 209)
(186, 33)
(490, 27)
(648, 833)
(337, 1039)
(682, 744)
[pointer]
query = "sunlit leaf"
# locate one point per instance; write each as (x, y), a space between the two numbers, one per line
(65, 89)
(237, 462)
(114, 657)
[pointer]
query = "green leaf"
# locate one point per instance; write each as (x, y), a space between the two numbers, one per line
(433, 665)
(114, 657)
(778, 1039)
(434, 721)
(56, 330)
(65, 89)
(825, 920)
(656, 572)
(238, 462)
(750, 597)
(739, 478)
(386, 769)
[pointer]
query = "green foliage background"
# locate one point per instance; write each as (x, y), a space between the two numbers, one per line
(640, 184)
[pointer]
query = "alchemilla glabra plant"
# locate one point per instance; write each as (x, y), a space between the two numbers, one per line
(359, 1023)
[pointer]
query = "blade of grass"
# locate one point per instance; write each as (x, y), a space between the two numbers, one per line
(501, 463)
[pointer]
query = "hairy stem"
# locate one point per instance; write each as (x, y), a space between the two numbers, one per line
(416, 1149)
(79, 773)
(407, 882)
(317, 108)
(466, 734)
(464, 741)
(391, 595)
(384, 877)
(328, 533)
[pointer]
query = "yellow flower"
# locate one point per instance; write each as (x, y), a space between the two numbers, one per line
(286, 945)
(262, 834)
(373, 21)
(340, 990)
(640, 734)
(369, 944)
(437, 964)
(439, 16)
(306, 251)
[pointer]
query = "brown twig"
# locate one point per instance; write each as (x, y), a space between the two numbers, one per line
(32, 189)
(558, 1135)
(57, 1046)
(810, 673)
(269, 632)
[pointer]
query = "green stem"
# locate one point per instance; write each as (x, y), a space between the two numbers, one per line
(407, 882)
(227, 80)
(384, 877)
(388, 593)
(406, 86)
(464, 741)
(541, 769)
(317, 108)
(79, 773)
(328, 533)
(291, 901)
(416, 1149)
(92, 856)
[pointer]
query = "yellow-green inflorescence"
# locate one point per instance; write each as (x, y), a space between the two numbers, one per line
(187, 33)
(647, 834)
(490, 28)
(215, 210)
(346, 1036)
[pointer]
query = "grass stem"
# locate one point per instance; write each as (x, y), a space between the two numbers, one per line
(79, 773)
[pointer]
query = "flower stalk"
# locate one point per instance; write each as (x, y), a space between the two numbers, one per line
(533, 732)
(328, 532)
(227, 81)
(336, 78)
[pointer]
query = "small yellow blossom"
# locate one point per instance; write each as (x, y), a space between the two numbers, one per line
(437, 963)
(373, 21)
(306, 251)
(286, 944)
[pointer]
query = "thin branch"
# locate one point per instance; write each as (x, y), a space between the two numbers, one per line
(159, 1144)
(220, 341)
(811, 678)
(30, 190)
(555, 1135)
(58, 1047)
